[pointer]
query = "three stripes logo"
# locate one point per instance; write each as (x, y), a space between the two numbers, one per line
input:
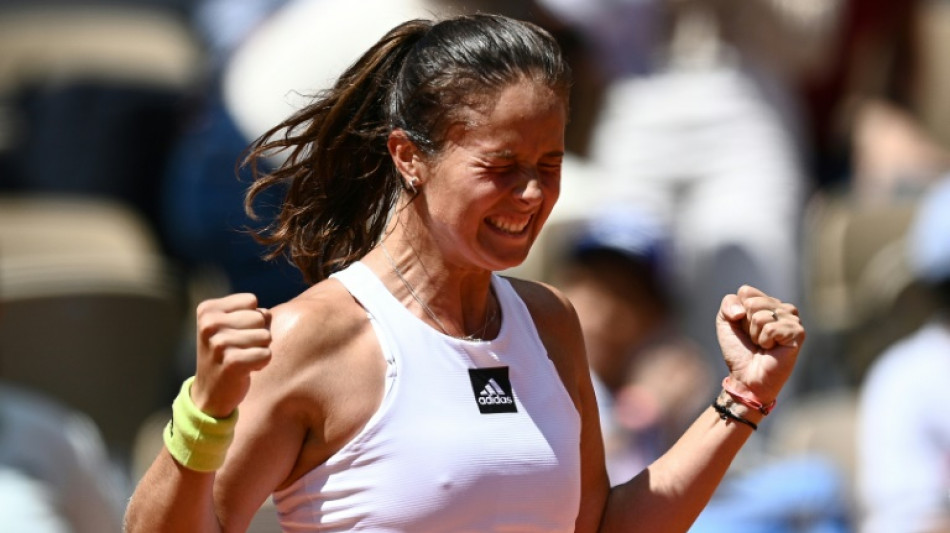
(492, 390)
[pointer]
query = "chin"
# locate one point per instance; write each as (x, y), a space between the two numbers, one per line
(508, 261)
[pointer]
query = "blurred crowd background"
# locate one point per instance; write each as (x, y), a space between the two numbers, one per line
(801, 146)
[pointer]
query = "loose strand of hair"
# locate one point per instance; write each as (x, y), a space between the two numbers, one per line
(339, 187)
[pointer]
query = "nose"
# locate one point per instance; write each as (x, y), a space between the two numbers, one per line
(531, 191)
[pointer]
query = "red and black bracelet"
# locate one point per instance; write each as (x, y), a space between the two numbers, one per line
(750, 402)
(726, 413)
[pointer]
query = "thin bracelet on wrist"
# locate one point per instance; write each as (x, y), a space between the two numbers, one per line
(725, 413)
(749, 401)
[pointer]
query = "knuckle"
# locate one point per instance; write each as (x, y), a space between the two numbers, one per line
(204, 331)
(231, 359)
(218, 345)
(207, 325)
(246, 300)
(263, 355)
(204, 307)
(265, 336)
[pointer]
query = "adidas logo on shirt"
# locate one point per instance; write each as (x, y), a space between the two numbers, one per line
(493, 394)
(492, 390)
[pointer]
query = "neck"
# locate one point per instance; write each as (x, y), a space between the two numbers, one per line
(457, 302)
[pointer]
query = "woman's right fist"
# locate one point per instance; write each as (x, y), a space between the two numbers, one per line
(233, 341)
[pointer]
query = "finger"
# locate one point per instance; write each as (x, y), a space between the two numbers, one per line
(210, 322)
(246, 360)
(265, 314)
(789, 337)
(731, 308)
(243, 319)
(229, 303)
(787, 331)
(754, 304)
(223, 341)
(760, 322)
(792, 333)
(765, 337)
(240, 338)
(748, 291)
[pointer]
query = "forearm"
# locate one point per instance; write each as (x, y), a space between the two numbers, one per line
(669, 494)
(171, 498)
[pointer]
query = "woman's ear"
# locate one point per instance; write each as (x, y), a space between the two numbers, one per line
(406, 157)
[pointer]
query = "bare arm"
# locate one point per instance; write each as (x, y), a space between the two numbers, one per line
(760, 350)
(234, 340)
(671, 492)
(324, 381)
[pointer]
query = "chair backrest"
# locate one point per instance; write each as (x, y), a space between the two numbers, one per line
(90, 312)
(859, 285)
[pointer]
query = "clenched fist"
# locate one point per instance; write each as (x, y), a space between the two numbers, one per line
(760, 337)
(233, 341)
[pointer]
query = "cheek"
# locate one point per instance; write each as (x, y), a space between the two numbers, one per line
(551, 195)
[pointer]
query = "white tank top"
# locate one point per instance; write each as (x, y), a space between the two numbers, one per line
(494, 449)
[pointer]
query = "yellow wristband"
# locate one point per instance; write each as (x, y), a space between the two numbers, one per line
(196, 440)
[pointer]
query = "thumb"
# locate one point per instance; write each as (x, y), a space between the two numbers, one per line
(731, 309)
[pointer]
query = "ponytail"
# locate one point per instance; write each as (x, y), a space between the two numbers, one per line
(340, 181)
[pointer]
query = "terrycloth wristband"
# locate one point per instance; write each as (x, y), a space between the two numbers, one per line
(196, 440)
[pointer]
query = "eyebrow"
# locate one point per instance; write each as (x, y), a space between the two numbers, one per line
(508, 154)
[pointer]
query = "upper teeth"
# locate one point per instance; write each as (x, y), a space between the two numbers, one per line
(509, 225)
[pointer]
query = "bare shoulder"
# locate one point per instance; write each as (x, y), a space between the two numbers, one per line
(552, 312)
(558, 327)
(320, 336)
(327, 371)
(321, 320)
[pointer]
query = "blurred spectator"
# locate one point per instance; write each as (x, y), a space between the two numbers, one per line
(203, 209)
(203, 193)
(55, 475)
(799, 494)
(650, 381)
(904, 432)
(867, 100)
(874, 108)
(224, 24)
(701, 128)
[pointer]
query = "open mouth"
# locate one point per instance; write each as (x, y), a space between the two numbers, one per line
(509, 225)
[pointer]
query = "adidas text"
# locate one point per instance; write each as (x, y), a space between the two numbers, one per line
(494, 400)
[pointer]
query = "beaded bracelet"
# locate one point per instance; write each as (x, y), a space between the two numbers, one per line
(196, 440)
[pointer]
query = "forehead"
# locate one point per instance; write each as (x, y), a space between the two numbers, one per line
(523, 111)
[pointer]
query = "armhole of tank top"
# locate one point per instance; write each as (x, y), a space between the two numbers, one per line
(517, 302)
(517, 305)
(387, 355)
(389, 384)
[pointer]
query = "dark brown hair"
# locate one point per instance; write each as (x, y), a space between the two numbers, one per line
(341, 184)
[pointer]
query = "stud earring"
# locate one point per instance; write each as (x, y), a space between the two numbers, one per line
(413, 185)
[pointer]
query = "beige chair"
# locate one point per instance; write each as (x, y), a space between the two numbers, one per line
(50, 43)
(858, 283)
(90, 311)
(823, 424)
